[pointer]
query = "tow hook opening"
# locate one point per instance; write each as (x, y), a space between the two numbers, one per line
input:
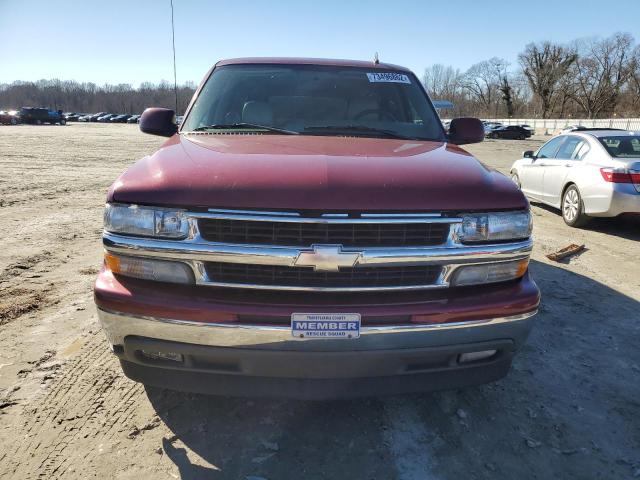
(471, 357)
(156, 355)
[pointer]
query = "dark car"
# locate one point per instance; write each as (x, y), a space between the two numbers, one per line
(133, 119)
(38, 116)
(120, 118)
(513, 132)
(10, 117)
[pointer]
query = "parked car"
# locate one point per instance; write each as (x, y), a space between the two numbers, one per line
(573, 128)
(133, 119)
(9, 117)
(106, 118)
(529, 129)
(38, 116)
(585, 173)
(96, 116)
(513, 132)
(303, 236)
(73, 117)
(119, 118)
(490, 127)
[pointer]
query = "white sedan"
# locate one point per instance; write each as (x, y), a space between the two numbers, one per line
(585, 173)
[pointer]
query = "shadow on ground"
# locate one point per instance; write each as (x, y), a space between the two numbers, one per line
(624, 226)
(567, 409)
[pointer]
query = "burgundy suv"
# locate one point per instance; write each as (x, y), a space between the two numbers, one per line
(311, 231)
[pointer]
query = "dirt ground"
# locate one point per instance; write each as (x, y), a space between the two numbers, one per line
(568, 409)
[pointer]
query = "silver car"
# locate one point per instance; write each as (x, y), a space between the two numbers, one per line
(585, 173)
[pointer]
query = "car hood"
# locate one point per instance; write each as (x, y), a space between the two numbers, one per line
(302, 172)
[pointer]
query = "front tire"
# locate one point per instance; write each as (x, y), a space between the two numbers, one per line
(38, 122)
(573, 208)
(63, 122)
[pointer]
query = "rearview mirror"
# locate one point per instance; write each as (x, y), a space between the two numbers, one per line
(528, 154)
(158, 121)
(465, 130)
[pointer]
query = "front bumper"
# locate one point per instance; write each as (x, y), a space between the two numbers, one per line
(220, 355)
(270, 363)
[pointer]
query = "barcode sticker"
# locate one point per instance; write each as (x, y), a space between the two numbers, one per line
(388, 77)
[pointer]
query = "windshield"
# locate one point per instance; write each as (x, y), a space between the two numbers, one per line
(627, 146)
(315, 100)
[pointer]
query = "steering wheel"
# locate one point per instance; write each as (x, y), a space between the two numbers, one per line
(381, 114)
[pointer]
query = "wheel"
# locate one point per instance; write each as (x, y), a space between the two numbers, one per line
(13, 121)
(521, 137)
(573, 208)
(516, 179)
(38, 122)
(63, 122)
(494, 136)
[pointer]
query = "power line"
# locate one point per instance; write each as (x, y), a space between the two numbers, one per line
(175, 76)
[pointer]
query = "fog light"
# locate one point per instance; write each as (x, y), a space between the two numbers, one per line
(149, 269)
(490, 272)
(475, 356)
(171, 356)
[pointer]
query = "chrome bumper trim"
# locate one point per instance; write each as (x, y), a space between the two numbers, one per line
(119, 325)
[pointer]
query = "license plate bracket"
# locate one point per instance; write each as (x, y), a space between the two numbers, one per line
(311, 326)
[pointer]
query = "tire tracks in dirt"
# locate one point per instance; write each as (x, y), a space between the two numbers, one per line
(89, 399)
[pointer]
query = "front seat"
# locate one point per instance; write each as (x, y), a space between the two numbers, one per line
(259, 113)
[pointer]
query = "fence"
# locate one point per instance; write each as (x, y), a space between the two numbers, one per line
(552, 125)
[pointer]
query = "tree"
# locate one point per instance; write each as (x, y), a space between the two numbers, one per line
(507, 94)
(600, 72)
(482, 81)
(545, 65)
(442, 82)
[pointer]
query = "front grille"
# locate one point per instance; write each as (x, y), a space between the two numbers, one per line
(305, 234)
(303, 277)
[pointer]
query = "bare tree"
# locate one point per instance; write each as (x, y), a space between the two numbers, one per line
(545, 65)
(442, 82)
(69, 95)
(600, 72)
(482, 81)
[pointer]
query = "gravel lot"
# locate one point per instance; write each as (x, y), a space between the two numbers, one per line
(568, 409)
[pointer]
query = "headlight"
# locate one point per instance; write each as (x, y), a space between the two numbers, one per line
(485, 227)
(145, 221)
(490, 272)
(149, 269)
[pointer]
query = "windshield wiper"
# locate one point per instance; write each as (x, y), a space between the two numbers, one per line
(358, 129)
(244, 125)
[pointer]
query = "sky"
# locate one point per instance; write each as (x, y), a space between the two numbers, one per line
(119, 41)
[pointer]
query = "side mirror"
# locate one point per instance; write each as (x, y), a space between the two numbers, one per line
(465, 130)
(528, 154)
(158, 121)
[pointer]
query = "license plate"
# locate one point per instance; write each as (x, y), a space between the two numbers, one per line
(325, 325)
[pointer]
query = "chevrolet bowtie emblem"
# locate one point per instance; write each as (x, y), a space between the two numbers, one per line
(327, 258)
